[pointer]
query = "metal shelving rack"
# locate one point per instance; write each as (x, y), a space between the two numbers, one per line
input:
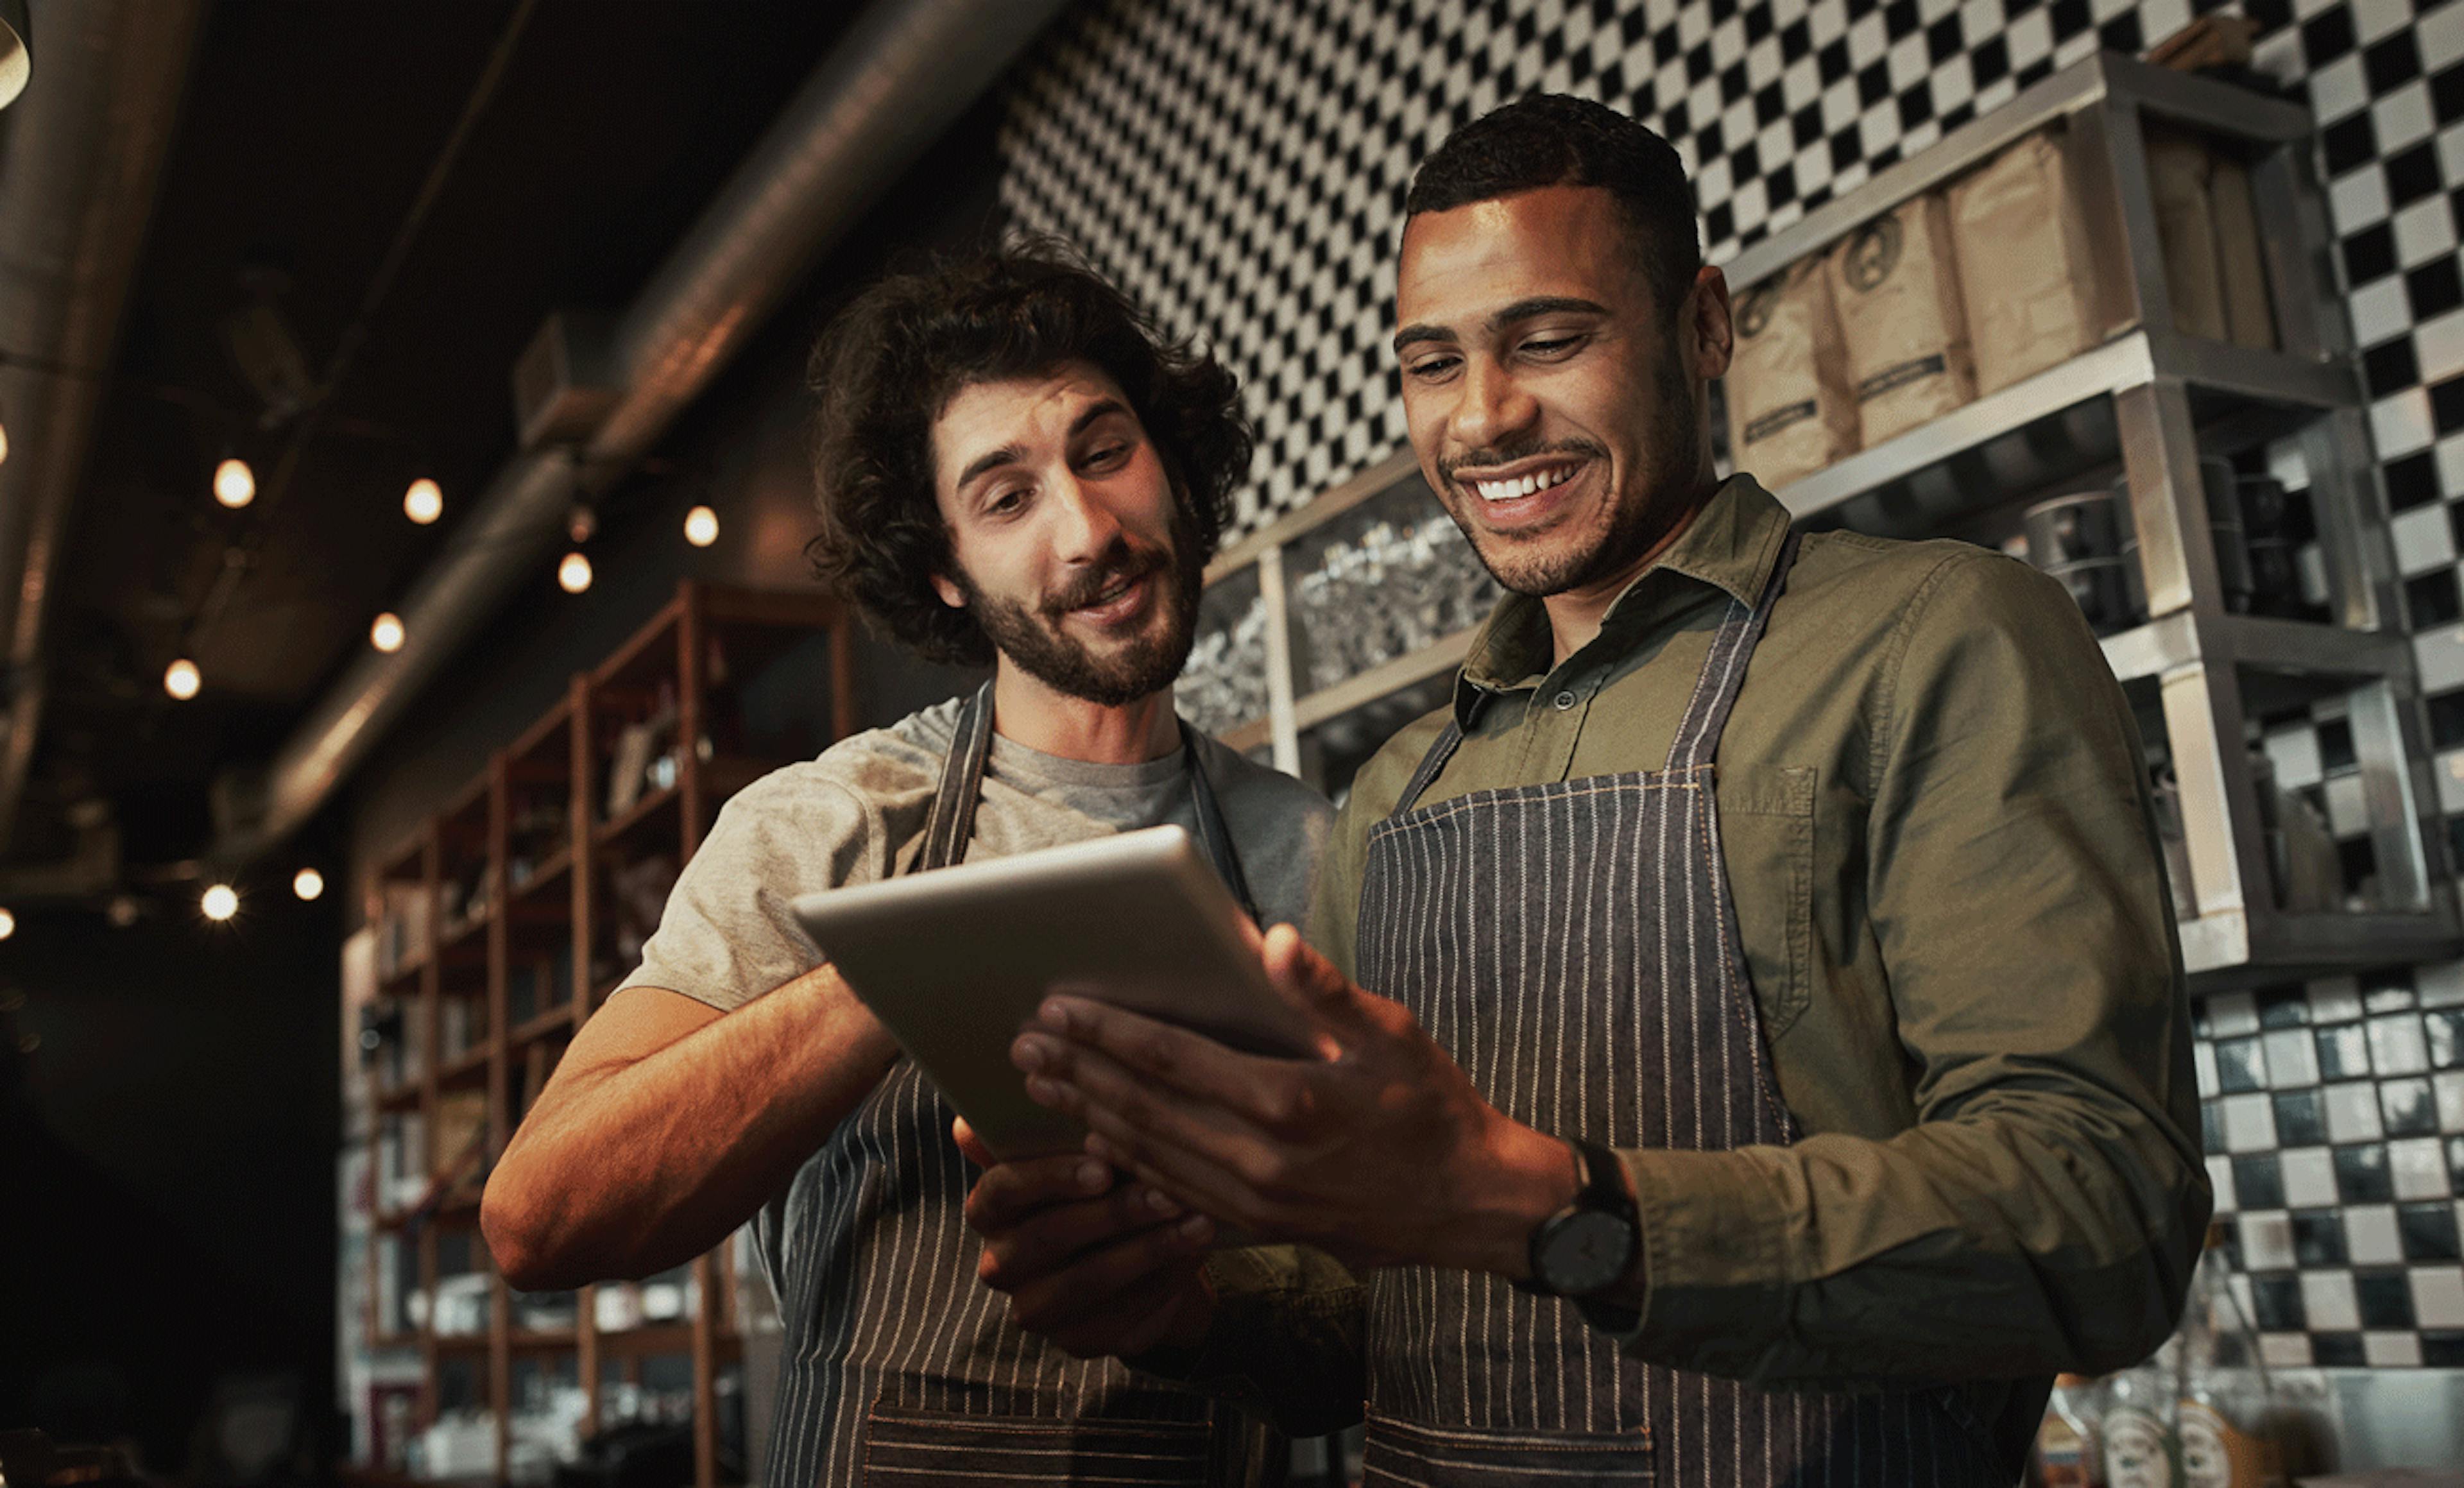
(2146, 405)
(546, 922)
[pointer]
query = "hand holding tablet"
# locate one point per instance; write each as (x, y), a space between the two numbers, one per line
(956, 962)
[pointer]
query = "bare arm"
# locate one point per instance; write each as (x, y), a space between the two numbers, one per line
(667, 1126)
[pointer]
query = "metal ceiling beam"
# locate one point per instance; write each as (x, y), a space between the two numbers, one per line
(905, 73)
(81, 154)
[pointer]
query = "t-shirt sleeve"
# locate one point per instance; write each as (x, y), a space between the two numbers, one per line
(726, 936)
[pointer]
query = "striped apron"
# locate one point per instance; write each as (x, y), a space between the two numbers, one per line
(898, 1366)
(1574, 947)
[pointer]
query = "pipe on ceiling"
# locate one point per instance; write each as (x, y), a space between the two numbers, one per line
(902, 75)
(80, 155)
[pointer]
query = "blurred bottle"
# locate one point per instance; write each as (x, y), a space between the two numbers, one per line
(2226, 1403)
(2139, 1433)
(2066, 1452)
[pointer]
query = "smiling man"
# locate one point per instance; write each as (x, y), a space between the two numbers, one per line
(1753, 1046)
(1013, 469)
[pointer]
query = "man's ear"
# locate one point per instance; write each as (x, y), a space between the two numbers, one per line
(948, 589)
(1710, 330)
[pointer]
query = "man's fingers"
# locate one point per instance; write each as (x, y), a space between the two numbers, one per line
(1072, 1031)
(1296, 968)
(1092, 1288)
(1052, 1239)
(1009, 1192)
(1101, 1092)
(971, 1145)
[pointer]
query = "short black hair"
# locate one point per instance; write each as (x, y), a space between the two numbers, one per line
(893, 360)
(1553, 139)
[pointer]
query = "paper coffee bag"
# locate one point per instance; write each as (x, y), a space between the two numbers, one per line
(2179, 166)
(2249, 316)
(1897, 293)
(2026, 274)
(1789, 409)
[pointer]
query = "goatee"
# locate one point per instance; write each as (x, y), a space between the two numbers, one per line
(1147, 664)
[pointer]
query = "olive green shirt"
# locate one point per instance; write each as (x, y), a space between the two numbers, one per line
(1937, 832)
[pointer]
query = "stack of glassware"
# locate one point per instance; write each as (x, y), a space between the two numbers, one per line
(1224, 684)
(1396, 587)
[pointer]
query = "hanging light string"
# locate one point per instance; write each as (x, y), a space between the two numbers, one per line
(354, 337)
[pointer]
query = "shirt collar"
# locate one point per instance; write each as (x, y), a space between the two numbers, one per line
(1729, 547)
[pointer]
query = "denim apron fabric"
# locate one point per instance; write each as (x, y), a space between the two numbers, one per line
(1573, 946)
(899, 1366)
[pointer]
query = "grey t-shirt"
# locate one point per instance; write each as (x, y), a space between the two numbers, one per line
(856, 814)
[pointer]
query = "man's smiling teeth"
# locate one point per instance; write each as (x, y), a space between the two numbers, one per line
(1510, 489)
(1119, 588)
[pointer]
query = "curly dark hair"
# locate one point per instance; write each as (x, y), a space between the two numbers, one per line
(893, 360)
(1555, 138)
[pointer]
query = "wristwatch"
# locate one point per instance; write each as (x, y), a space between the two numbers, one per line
(1588, 1246)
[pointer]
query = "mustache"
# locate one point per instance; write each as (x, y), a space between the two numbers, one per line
(1508, 454)
(1120, 561)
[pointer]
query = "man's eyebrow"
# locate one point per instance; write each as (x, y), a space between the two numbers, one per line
(1545, 305)
(1520, 310)
(990, 460)
(995, 459)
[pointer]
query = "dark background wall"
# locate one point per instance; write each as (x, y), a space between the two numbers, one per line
(167, 1142)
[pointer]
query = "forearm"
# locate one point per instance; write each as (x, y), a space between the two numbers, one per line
(630, 1167)
(2055, 1240)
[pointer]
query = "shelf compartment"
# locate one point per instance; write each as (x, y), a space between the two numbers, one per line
(2056, 426)
(550, 872)
(555, 1020)
(638, 817)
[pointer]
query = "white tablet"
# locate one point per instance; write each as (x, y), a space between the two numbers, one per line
(956, 961)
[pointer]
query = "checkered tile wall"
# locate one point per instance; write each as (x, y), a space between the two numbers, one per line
(1239, 164)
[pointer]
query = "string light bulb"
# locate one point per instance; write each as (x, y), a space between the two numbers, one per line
(385, 633)
(235, 483)
(308, 884)
(701, 527)
(3, 442)
(573, 575)
(180, 679)
(7, 925)
(219, 903)
(424, 502)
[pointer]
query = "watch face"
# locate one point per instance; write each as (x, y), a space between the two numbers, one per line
(1586, 1252)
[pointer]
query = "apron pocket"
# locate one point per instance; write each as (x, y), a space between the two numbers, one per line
(921, 1447)
(1411, 1455)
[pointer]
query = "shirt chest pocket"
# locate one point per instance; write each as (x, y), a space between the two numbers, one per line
(1767, 818)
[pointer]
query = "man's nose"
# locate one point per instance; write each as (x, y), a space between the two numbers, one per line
(1088, 528)
(1492, 408)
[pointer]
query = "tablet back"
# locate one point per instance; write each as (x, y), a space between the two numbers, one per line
(956, 961)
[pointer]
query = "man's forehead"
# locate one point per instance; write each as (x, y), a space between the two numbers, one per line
(995, 411)
(1570, 242)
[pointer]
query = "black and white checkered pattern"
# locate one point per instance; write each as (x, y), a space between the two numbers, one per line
(1239, 165)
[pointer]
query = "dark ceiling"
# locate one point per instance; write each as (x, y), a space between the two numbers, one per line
(305, 137)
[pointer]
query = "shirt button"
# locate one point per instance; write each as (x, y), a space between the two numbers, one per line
(1564, 701)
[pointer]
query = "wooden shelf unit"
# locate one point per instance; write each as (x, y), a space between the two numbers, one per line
(532, 843)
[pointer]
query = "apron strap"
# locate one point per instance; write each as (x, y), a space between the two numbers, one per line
(1723, 671)
(952, 822)
(953, 819)
(1213, 834)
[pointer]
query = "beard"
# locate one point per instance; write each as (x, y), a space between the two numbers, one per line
(1146, 664)
(1623, 531)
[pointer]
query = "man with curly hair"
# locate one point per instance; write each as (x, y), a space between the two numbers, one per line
(1013, 469)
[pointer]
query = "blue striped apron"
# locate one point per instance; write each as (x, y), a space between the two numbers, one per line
(898, 1365)
(1573, 946)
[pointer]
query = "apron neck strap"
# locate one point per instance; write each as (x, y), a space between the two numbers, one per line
(952, 822)
(1723, 671)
